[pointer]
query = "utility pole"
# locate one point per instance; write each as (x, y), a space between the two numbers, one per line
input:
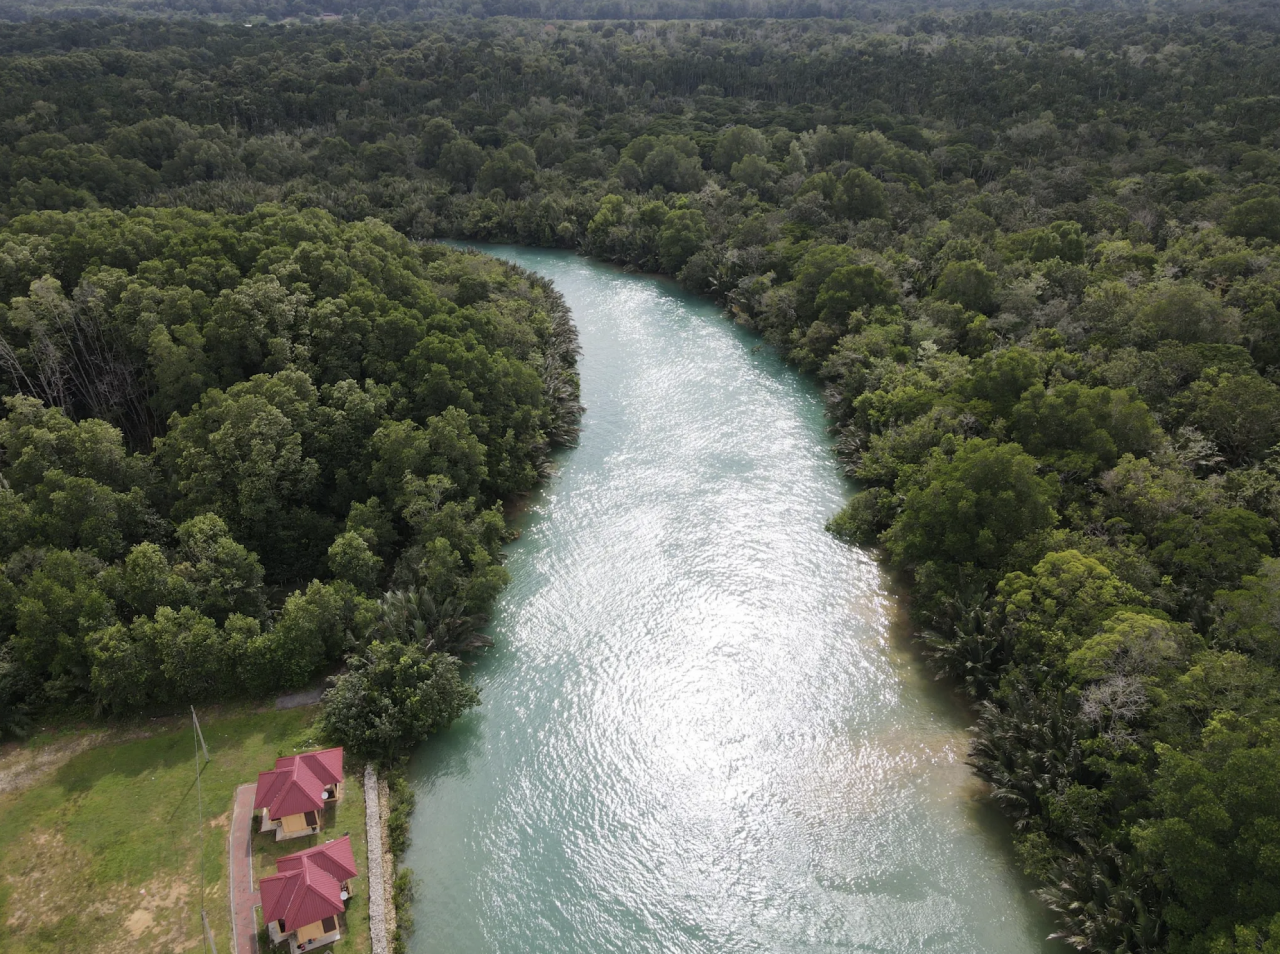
(206, 935)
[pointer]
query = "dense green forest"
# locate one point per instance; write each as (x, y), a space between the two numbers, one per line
(225, 435)
(1032, 255)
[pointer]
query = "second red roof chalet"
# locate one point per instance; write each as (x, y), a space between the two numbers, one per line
(293, 795)
(303, 899)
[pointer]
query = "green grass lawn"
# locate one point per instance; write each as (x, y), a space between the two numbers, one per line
(101, 854)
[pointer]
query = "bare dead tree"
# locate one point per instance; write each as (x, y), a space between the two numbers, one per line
(107, 384)
(50, 370)
(1113, 704)
(12, 365)
(71, 359)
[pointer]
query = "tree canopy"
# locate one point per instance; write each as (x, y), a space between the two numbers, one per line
(223, 435)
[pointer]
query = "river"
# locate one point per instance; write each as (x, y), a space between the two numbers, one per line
(699, 731)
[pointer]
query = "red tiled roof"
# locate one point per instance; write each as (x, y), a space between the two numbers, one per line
(335, 857)
(307, 885)
(297, 783)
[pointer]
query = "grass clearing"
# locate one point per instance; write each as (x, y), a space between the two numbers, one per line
(100, 854)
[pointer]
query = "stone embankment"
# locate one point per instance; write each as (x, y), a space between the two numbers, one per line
(388, 858)
(378, 883)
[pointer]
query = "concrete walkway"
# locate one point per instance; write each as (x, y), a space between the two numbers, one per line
(244, 926)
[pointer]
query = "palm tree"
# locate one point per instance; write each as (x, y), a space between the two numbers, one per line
(1107, 902)
(1028, 748)
(415, 616)
(967, 645)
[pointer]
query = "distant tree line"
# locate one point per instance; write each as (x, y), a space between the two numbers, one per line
(1031, 255)
(881, 12)
(384, 11)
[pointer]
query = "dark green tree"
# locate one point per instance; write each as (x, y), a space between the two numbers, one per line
(391, 697)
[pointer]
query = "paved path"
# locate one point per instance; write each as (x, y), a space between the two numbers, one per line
(244, 927)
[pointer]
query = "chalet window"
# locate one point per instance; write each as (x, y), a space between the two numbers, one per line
(310, 819)
(328, 925)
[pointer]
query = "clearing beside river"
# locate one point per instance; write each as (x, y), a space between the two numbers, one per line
(99, 838)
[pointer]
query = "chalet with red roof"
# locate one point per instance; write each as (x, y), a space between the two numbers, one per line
(302, 900)
(294, 794)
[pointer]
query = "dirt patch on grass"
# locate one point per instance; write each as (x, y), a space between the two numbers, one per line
(38, 890)
(139, 923)
(50, 890)
(159, 915)
(23, 766)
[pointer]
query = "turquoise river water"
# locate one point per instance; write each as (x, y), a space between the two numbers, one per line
(699, 733)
